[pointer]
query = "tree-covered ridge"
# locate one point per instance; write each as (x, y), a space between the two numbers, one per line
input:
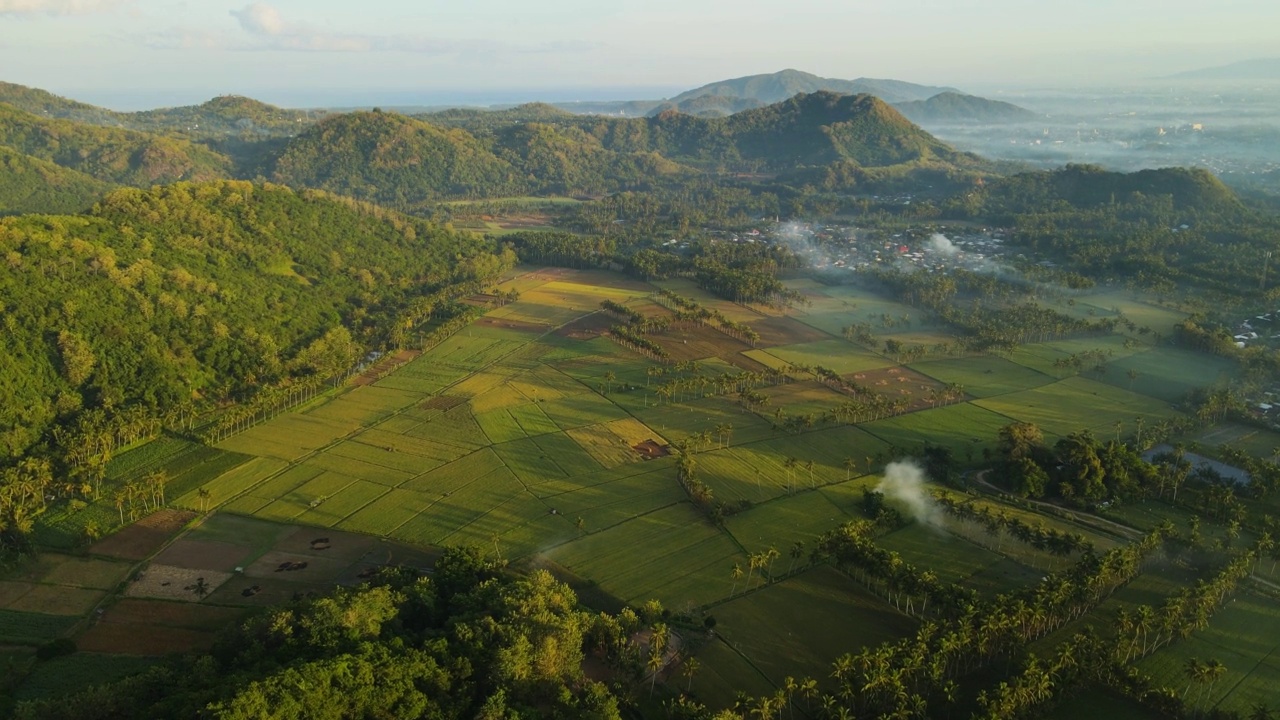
(952, 108)
(779, 86)
(112, 155)
(466, 642)
(202, 291)
(394, 160)
(28, 184)
(223, 116)
(1189, 190)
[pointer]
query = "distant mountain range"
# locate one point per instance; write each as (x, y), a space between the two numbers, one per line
(950, 108)
(1256, 69)
(779, 86)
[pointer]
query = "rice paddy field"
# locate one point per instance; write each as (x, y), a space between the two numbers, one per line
(533, 435)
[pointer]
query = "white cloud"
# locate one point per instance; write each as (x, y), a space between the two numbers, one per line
(57, 7)
(260, 19)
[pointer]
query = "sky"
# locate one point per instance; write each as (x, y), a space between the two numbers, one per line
(129, 54)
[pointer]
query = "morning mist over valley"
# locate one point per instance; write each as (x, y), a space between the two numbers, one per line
(695, 361)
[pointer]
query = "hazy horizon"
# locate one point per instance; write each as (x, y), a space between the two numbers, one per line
(129, 54)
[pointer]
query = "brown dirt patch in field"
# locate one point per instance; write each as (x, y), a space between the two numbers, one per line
(296, 567)
(698, 343)
(650, 450)
(144, 537)
(263, 592)
(509, 324)
(175, 583)
(443, 403)
(170, 614)
(204, 555)
(142, 639)
(588, 328)
(11, 591)
(899, 382)
(380, 368)
(776, 331)
(57, 600)
(327, 544)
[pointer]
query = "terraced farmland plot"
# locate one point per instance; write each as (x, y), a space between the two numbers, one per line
(467, 349)
(677, 421)
(1243, 636)
(500, 427)
(782, 522)
(951, 558)
(453, 475)
(546, 383)
(285, 482)
(483, 382)
(806, 397)
(581, 410)
(346, 502)
(604, 446)
(800, 626)
(522, 526)
(366, 449)
(289, 436)
(847, 495)
(568, 454)
(316, 490)
(604, 505)
(388, 512)
(1076, 404)
(673, 555)
(423, 377)
(403, 444)
(837, 355)
(690, 289)
(984, 375)
(1168, 373)
(965, 428)
(460, 507)
(1041, 356)
(530, 462)
(456, 427)
(233, 482)
(332, 461)
(504, 396)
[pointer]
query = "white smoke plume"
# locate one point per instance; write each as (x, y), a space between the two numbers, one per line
(904, 482)
(940, 243)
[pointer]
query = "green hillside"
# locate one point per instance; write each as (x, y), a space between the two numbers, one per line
(113, 155)
(775, 87)
(199, 290)
(956, 108)
(28, 185)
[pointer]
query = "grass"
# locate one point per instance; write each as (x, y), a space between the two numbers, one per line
(672, 555)
(1168, 374)
(983, 376)
(1244, 636)
(951, 558)
(783, 522)
(837, 355)
(69, 674)
(1077, 404)
(28, 628)
(799, 626)
(964, 428)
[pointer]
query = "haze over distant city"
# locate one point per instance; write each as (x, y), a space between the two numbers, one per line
(142, 53)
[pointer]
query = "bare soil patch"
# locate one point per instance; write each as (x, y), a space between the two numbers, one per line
(263, 592)
(386, 363)
(204, 555)
(900, 383)
(587, 328)
(775, 331)
(327, 544)
(650, 450)
(698, 343)
(443, 403)
(509, 324)
(176, 583)
(142, 639)
(296, 567)
(170, 614)
(143, 538)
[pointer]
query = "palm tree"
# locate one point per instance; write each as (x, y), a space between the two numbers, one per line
(691, 667)
(797, 551)
(609, 377)
(204, 495)
(808, 465)
(201, 588)
(736, 574)
(849, 467)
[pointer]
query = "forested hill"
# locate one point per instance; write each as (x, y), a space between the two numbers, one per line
(112, 155)
(1189, 190)
(779, 86)
(224, 116)
(202, 291)
(955, 108)
(28, 184)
